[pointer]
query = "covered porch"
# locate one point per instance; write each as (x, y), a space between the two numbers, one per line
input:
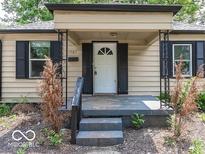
(137, 65)
(112, 106)
(140, 67)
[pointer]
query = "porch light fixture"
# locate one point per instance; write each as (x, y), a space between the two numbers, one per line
(113, 34)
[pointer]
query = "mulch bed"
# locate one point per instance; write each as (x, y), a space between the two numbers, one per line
(146, 140)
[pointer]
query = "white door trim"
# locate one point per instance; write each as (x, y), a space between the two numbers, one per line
(112, 45)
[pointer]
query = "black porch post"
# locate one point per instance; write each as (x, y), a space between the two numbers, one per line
(66, 65)
(60, 38)
(168, 62)
(160, 65)
(164, 63)
(64, 74)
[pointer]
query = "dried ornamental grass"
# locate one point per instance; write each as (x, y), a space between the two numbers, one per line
(51, 95)
(183, 97)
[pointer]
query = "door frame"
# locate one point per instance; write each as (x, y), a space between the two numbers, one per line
(116, 92)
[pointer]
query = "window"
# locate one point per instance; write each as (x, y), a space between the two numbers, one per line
(184, 50)
(37, 56)
(105, 51)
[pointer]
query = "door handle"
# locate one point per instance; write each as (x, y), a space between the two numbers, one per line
(95, 72)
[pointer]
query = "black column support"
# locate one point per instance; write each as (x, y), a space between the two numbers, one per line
(164, 63)
(60, 38)
(64, 74)
(66, 65)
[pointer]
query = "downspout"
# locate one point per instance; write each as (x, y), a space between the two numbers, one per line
(66, 65)
(0, 70)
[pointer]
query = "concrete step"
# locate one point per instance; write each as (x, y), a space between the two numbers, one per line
(100, 124)
(99, 138)
(124, 112)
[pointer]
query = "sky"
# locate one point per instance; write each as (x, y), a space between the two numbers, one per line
(2, 13)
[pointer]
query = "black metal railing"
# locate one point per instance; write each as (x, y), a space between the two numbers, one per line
(76, 107)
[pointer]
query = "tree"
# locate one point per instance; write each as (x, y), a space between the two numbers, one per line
(187, 13)
(26, 11)
(201, 13)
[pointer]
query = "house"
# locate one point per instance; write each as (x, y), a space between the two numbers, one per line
(127, 50)
(115, 47)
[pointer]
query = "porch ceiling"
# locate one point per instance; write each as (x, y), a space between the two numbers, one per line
(141, 38)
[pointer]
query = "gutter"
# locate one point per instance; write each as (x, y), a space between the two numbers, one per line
(1, 70)
(10, 31)
(114, 7)
(187, 32)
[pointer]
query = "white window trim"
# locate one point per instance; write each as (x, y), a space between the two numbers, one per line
(34, 59)
(173, 60)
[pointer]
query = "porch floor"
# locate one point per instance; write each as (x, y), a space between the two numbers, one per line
(122, 106)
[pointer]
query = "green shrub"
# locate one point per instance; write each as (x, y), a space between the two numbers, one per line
(197, 147)
(169, 141)
(165, 97)
(201, 101)
(137, 120)
(54, 138)
(202, 117)
(22, 149)
(23, 99)
(4, 110)
(173, 124)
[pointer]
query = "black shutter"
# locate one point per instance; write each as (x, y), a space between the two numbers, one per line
(56, 54)
(22, 59)
(122, 68)
(87, 67)
(198, 57)
(194, 60)
(170, 60)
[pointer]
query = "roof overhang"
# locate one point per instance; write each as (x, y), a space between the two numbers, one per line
(7, 31)
(114, 7)
(188, 32)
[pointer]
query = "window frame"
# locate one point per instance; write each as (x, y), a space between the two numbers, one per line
(34, 59)
(190, 61)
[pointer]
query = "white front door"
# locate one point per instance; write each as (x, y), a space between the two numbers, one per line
(105, 68)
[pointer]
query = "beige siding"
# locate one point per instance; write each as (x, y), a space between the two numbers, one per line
(74, 68)
(186, 37)
(143, 67)
(128, 21)
(12, 88)
(143, 70)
